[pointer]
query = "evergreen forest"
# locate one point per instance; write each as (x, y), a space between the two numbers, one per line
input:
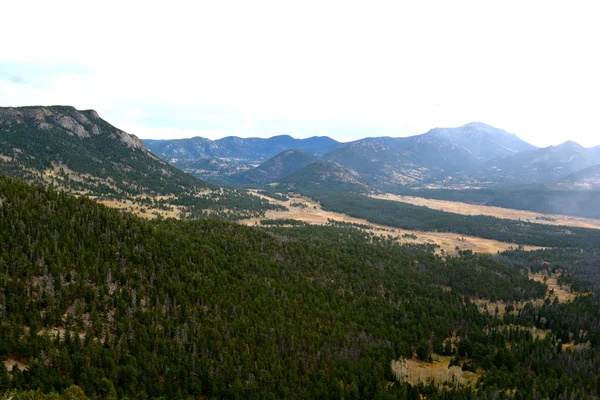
(101, 304)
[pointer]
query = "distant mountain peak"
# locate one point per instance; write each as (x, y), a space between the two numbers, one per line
(478, 124)
(469, 129)
(481, 141)
(481, 125)
(570, 144)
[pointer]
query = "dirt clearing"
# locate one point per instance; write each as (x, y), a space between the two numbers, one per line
(10, 362)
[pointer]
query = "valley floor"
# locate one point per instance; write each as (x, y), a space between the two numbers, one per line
(309, 211)
(498, 212)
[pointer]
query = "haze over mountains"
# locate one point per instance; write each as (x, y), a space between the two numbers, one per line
(542, 165)
(473, 155)
(588, 178)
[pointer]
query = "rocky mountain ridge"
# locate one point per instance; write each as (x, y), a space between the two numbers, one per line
(79, 151)
(74, 122)
(471, 156)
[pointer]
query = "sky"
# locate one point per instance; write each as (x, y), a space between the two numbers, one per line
(345, 69)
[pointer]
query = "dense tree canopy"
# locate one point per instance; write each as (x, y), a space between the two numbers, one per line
(126, 307)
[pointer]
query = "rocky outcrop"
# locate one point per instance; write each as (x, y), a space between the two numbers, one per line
(82, 124)
(71, 126)
(131, 140)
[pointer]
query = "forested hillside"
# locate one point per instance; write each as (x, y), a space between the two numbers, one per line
(126, 307)
(80, 152)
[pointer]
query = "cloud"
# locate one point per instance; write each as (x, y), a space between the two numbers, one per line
(17, 79)
(345, 68)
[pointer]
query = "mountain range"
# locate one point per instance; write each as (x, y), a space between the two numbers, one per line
(471, 156)
(79, 151)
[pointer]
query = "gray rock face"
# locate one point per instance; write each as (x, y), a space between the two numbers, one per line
(81, 124)
(72, 126)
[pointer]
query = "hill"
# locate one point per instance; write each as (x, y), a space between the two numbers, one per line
(542, 165)
(326, 175)
(586, 179)
(376, 163)
(275, 168)
(80, 151)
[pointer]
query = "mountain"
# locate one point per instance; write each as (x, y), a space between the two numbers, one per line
(275, 168)
(328, 176)
(80, 151)
(542, 165)
(241, 149)
(481, 141)
(216, 170)
(459, 148)
(377, 163)
(442, 156)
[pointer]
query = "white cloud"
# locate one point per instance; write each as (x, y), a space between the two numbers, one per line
(528, 67)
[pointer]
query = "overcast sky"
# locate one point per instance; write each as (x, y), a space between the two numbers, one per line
(345, 69)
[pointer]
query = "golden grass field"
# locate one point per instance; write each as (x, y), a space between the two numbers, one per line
(312, 213)
(498, 212)
(140, 210)
(562, 293)
(414, 371)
